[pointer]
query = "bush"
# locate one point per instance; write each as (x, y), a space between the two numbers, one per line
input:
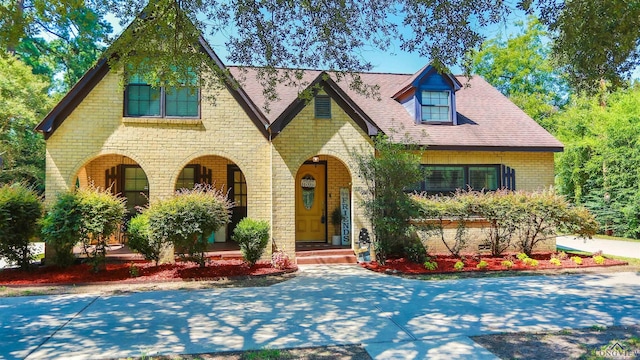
(482, 265)
(459, 265)
(415, 251)
(430, 265)
(142, 240)
(253, 237)
(187, 220)
(522, 256)
(443, 209)
(20, 211)
(280, 260)
(61, 227)
(507, 264)
(577, 260)
(555, 261)
(599, 259)
(89, 216)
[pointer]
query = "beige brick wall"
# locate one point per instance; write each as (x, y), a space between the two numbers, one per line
(304, 137)
(534, 170)
(96, 129)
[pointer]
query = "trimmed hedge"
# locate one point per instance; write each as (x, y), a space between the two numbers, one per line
(253, 237)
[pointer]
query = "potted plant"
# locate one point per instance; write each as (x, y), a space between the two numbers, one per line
(336, 220)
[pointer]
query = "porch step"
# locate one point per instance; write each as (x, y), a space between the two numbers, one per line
(328, 256)
(225, 255)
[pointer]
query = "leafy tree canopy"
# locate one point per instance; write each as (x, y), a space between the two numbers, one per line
(594, 39)
(23, 102)
(600, 165)
(520, 67)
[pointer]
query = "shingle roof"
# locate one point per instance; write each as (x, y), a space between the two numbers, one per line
(487, 120)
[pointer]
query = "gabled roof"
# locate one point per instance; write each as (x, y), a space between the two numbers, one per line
(487, 120)
(415, 79)
(93, 76)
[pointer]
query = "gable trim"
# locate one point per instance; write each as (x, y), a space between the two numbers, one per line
(338, 95)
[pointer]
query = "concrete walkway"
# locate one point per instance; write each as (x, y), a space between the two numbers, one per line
(630, 249)
(394, 318)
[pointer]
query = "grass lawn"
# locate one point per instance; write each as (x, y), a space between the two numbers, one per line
(607, 237)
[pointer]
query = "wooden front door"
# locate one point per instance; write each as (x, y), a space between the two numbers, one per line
(311, 202)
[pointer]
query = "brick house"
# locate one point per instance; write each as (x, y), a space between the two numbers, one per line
(290, 166)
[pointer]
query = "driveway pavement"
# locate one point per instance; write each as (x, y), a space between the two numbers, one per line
(394, 318)
(630, 249)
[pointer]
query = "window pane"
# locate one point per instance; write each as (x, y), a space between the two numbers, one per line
(181, 102)
(186, 179)
(483, 177)
(142, 100)
(435, 106)
(444, 178)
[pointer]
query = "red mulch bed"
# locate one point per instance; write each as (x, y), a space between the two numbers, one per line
(138, 271)
(446, 263)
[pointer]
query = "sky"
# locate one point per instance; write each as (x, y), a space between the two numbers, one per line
(392, 61)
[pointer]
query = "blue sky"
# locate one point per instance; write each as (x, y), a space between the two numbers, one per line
(392, 61)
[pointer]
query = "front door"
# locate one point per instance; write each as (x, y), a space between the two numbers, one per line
(311, 197)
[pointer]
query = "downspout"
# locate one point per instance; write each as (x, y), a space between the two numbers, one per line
(271, 185)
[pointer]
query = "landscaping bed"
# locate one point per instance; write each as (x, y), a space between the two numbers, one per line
(447, 263)
(138, 272)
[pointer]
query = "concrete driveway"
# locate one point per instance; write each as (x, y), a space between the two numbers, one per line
(394, 318)
(630, 249)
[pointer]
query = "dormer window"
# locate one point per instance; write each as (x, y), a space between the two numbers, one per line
(436, 107)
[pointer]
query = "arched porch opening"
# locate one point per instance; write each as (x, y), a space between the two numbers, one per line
(323, 202)
(224, 175)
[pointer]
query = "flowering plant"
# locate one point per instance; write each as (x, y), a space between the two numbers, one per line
(280, 260)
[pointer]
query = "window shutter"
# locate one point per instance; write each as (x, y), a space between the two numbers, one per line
(323, 107)
(204, 176)
(508, 177)
(111, 179)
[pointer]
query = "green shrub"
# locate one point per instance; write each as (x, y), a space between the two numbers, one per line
(430, 265)
(459, 265)
(61, 228)
(88, 216)
(444, 209)
(482, 265)
(555, 261)
(187, 220)
(522, 256)
(507, 264)
(599, 259)
(562, 255)
(577, 260)
(253, 237)
(415, 251)
(20, 211)
(143, 241)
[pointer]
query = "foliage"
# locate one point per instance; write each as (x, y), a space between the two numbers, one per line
(430, 265)
(188, 219)
(507, 264)
(61, 227)
(445, 209)
(86, 216)
(143, 240)
(555, 261)
(577, 260)
(386, 174)
(253, 237)
(599, 167)
(562, 255)
(520, 67)
(336, 219)
(530, 262)
(280, 260)
(482, 265)
(598, 259)
(20, 211)
(459, 265)
(527, 218)
(522, 256)
(23, 102)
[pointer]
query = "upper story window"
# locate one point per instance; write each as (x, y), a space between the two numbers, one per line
(323, 107)
(436, 106)
(141, 99)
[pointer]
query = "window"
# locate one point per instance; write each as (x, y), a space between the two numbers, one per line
(187, 178)
(449, 178)
(436, 106)
(323, 107)
(141, 99)
(136, 187)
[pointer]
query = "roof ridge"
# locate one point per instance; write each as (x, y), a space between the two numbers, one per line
(320, 70)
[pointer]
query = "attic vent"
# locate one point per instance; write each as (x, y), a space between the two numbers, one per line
(323, 107)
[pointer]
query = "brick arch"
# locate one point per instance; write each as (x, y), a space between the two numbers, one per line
(88, 159)
(203, 153)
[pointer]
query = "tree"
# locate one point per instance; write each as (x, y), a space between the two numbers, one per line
(521, 69)
(23, 102)
(599, 167)
(334, 34)
(54, 37)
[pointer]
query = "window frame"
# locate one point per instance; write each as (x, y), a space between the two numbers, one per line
(449, 106)
(163, 102)
(123, 182)
(422, 187)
